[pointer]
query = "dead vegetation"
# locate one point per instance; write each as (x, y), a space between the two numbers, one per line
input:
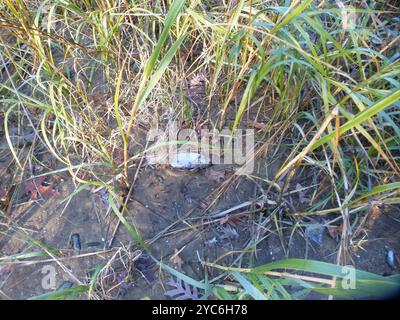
(83, 82)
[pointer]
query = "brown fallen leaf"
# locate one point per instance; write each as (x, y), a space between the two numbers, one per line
(335, 231)
(48, 191)
(259, 125)
(233, 219)
(368, 221)
(373, 215)
(176, 259)
(40, 186)
(31, 187)
(224, 220)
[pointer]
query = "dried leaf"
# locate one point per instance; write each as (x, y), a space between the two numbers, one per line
(314, 233)
(335, 231)
(182, 291)
(224, 220)
(232, 220)
(31, 187)
(373, 215)
(176, 259)
(196, 88)
(259, 125)
(40, 186)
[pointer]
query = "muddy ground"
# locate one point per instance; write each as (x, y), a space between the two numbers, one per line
(171, 210)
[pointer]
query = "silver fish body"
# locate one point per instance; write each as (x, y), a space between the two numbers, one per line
(189, 160)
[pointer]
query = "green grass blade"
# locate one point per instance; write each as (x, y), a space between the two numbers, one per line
(173, 12)
(250, 288)
(361, 117)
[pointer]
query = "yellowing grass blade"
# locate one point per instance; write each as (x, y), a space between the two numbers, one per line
(361, 117)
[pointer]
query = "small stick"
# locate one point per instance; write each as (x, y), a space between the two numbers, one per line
(239, 206)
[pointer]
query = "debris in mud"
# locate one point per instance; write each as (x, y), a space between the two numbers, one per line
(232, 220)
(5, 270)
(176, 259)
(3, 196)
(260, 202)
(373, 216)
(103, 194)
(65, 285)
(229, 233)
(40, 185)
(196, 87)
(75, 242)
(123, 279)
(211, 241)
(182, 291)
(314, 233)
(368, 221)
(94, 244)
(302, 198)
(335, 231)
(259, 125)
(117, 154)
(143, 265)
(216, 175)
(390, 258)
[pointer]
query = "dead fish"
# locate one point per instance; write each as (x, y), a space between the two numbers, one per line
(189, 160)
(390, 259)
(75, 241)
(65, 285)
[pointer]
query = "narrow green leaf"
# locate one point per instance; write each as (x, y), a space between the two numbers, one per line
(361, 117)
(250, 288)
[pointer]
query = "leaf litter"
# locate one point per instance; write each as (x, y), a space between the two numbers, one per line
(182, 291)
(40, 186)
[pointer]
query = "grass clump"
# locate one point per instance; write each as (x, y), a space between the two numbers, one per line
(80, 79)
